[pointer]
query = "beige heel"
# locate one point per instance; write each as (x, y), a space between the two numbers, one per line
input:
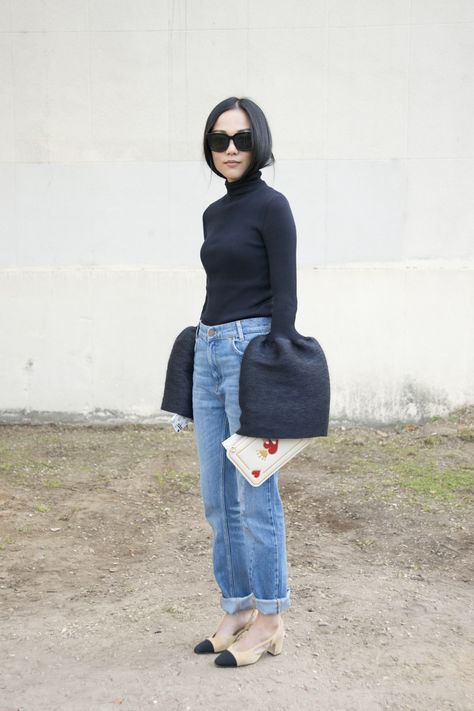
(276, 647)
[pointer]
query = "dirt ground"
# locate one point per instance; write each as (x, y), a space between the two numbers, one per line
(106, 577)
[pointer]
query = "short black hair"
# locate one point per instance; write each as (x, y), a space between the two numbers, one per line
(262, 155)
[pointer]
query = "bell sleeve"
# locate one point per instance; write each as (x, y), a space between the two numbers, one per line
(178, 392)
(284, 387)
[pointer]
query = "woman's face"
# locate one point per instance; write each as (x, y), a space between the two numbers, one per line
(232, 163)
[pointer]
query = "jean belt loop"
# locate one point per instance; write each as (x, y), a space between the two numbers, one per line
(240, 330)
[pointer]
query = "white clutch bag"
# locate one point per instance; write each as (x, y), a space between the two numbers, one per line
(257, 459)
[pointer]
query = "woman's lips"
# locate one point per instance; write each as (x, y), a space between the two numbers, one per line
(232, 163)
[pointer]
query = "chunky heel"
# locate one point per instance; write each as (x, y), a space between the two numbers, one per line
(276, 647)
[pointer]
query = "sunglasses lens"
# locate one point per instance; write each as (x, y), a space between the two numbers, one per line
(243, 141)
(219, 141)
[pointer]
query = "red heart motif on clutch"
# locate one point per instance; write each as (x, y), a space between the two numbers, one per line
(271, 445)
(256, 473)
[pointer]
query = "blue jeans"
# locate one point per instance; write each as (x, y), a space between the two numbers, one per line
(249, 541)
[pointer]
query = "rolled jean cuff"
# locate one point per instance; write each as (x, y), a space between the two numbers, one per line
(235, 604)
(273, 607)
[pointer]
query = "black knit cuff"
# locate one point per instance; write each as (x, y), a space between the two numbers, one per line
(178, 390)
(284, 388)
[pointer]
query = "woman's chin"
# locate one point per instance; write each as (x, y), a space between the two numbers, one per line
(232, 175)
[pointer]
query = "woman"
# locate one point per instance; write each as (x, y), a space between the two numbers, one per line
(249, 254)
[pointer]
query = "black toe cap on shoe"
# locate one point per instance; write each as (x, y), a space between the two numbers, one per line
(204, 647)
(226, 659)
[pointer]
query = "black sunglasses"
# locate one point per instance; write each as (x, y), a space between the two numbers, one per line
(219, 141)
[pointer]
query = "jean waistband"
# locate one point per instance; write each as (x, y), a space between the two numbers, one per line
(237, 329)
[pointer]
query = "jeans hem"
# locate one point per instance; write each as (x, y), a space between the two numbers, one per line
(266, 607)
(273, 607)
(235, 604)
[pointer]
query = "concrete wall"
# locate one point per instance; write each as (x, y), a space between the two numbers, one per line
(102, 187)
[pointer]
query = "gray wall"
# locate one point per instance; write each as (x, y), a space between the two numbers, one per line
(102, 108)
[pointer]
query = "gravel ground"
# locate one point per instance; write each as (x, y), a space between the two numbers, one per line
(106, 578)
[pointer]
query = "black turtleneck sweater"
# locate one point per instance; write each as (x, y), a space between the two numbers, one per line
(249, 254)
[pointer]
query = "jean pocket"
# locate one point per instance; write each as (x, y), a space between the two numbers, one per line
(240, 344)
